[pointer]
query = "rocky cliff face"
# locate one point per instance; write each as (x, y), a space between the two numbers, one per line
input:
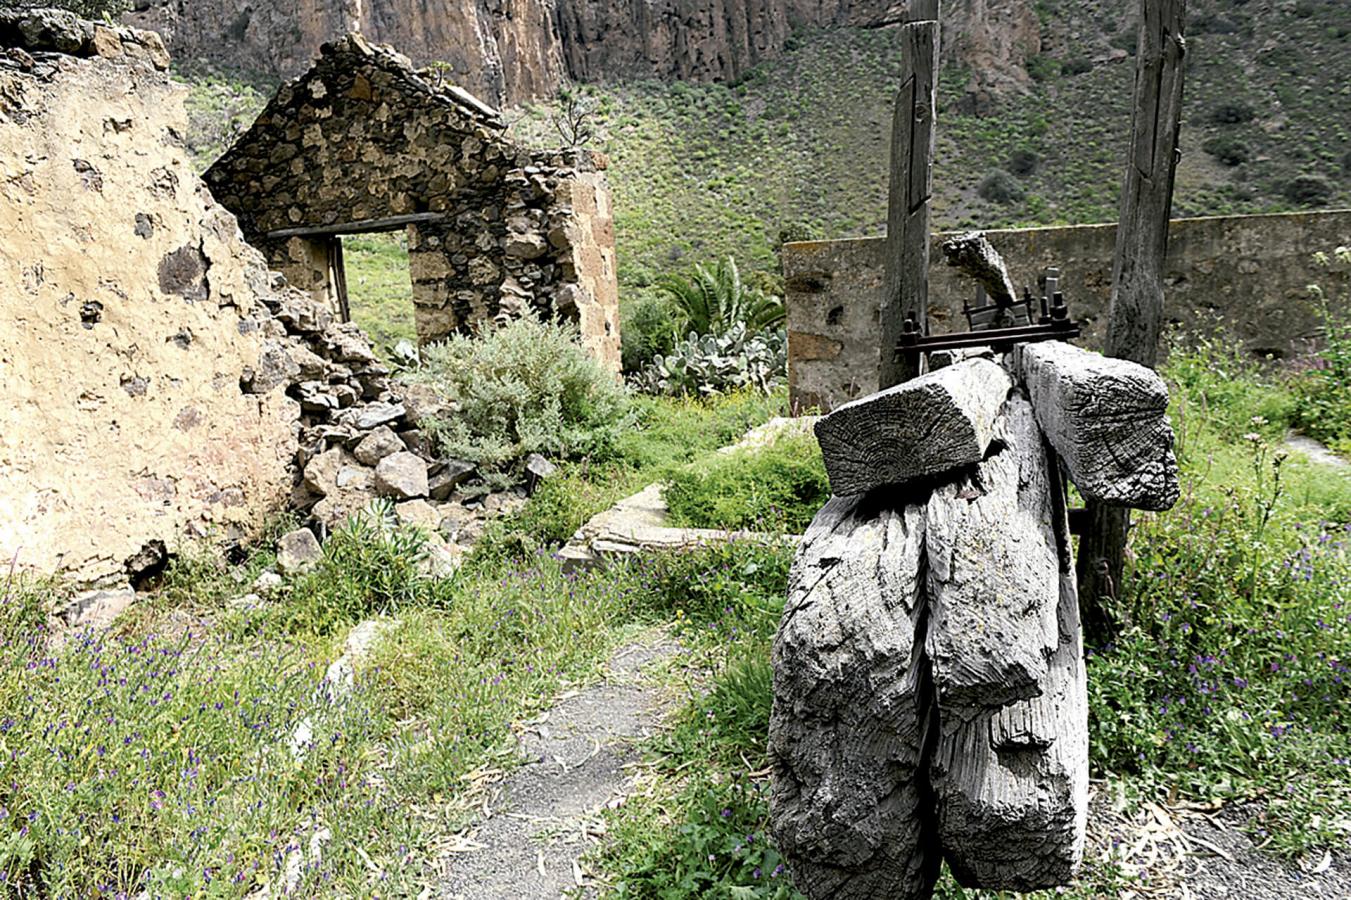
(510, 50)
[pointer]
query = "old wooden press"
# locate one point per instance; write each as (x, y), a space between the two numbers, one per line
(930, 701)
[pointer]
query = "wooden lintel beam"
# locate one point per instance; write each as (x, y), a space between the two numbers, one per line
(361, 226)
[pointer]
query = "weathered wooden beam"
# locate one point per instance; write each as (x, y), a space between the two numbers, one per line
(1108, 420)
(932, 424)
(846, 732)
(975, 256)
(906, 290)
(993, 570)
(1135, 315)
(1135, 319)
(361, 226)
(1011, 783)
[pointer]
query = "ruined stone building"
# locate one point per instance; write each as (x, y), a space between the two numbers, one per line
(363, 143)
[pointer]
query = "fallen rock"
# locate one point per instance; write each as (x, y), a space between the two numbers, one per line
(97, 609)
(377, 445)
(298, 551)
(321, 473)
(419, 514)
(537, 469)
(372, 415)
(931, 424)
(443, 560)
(402, 476)
(267, 584)
(452, 474)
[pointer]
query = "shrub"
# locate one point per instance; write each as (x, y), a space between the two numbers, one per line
(1024, 162)
(1323, 410)
(647, 328)
(1232, 112)
(1078, 66)
(1043, 68)
(521, 388)
(1308, 190)
(712, 364)
(371, 566)
(712, 301)
(1001, 187)
(780, 487)
(1229, 150)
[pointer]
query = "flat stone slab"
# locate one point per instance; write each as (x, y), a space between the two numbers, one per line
(929, 425)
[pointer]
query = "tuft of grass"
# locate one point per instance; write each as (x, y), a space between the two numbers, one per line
(779, 487)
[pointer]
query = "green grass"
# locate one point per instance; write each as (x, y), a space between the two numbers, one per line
(379, 289)
(1230, 680)
(799, 144)
(779, 487)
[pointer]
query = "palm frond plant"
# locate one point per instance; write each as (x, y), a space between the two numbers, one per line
(712, 301)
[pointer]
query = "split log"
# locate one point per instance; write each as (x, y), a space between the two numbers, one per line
(1108, 420)
(931, 424)
(994, 564)
(1012, 784)
(975, 256)
(850, 706)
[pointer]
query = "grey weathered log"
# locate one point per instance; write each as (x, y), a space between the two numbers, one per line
(1012, 783)
(976, 257)
(1108, 420)
(1135, 314)
(846, 731)
(993, 569)
(906, 290)
(931, 424)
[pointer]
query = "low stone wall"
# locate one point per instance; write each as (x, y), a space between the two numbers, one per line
(1243, 277)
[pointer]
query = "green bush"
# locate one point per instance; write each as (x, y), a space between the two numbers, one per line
(1232, 112)
(1323, 410)
(1043, 68)
(779, 487)
(1229, 150)
(525, 387)
(371, 566)
(647, 329)
(1024, 162)
(1001, 187)
(1308, 190)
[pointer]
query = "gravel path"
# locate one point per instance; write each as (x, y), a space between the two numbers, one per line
(545, 815)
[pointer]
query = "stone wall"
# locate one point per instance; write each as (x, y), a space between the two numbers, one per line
(129, 311)
(362, 136)
(1238, 277)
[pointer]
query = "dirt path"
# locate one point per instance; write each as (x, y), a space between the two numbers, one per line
(1190, 853)
(1315, 451)
(542, 818)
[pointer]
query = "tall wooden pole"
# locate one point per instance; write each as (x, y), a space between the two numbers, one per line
(1135, 319)
(906, 292)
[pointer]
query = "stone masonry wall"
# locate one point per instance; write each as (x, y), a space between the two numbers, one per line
(128, 314)
(1234, 277)
(363, 136)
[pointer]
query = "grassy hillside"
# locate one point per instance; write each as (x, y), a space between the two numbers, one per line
(798, 147)
(800, 143)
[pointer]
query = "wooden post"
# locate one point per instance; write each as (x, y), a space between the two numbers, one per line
(912, 147)
(1136, 314)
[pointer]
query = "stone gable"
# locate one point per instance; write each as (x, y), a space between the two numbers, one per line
(363, 142)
